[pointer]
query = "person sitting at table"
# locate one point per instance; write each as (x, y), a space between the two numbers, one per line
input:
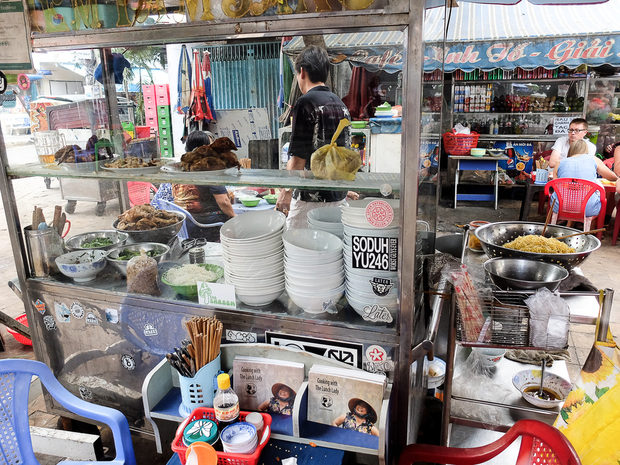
(577, 129)
(579, 164)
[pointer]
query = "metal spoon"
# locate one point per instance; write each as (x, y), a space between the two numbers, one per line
(541, 394)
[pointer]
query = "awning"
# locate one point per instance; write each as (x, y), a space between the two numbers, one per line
(482, 36)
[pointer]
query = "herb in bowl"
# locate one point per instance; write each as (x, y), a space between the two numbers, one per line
(97, 242)
(127, 254)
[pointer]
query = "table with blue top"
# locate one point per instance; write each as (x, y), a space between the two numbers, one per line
(470, 163)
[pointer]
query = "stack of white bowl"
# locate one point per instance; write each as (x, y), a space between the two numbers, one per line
(327, 219)
(252, 251)
(313, 268)
(239, 438)
(368, 289)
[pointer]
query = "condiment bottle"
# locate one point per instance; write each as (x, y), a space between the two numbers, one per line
(225, 402)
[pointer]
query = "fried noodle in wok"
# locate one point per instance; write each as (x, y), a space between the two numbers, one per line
(538, 244)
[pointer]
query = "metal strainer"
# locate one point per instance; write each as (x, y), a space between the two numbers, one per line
(494, 235)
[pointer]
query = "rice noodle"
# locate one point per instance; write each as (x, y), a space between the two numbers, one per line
(538, 244)
(186, 275)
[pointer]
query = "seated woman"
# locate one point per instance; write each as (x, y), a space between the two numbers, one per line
(580, 165)
(207, 204)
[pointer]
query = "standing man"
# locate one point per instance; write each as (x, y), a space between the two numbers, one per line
(315, 118)
(577, 130)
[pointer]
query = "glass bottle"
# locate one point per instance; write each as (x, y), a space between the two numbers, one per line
(225, 402)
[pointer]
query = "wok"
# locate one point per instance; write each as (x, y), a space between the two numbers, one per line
(494, 235)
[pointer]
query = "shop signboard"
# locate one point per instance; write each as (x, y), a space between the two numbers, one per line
(14, 38)
(527, 54)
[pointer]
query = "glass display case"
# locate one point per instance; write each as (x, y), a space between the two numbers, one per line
(603, 105)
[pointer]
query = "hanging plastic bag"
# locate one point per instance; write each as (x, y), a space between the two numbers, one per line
(549, 320)
(333, 162)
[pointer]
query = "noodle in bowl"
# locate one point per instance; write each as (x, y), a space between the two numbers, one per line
(494, 236)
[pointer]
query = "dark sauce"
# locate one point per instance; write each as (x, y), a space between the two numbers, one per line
(547, 393)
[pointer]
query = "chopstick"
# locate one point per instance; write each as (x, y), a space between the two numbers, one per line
(202, 347)
(549, 213)
(581, 233)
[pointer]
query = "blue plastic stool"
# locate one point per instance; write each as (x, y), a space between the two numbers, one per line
(15, 442)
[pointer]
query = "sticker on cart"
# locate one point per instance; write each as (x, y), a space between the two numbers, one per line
(374, 253)
(381, 286)
(241, 336)
(77, 310)
(63, 314)
(91, 319)
(150, 330)
(49, 322)
(379, 214)
(377, 314)
(111, 315)
(216, 295)
(376, 353)
(85, 393)
(40, 306)
(128, 362)
(345, 352)
(379, 367)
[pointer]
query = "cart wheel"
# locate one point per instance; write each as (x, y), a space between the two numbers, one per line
(70, 207)
(100, 209)
(48, 183)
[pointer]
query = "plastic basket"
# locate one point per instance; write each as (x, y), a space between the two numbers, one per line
(23, 319)
(223, 458)
(459, 144)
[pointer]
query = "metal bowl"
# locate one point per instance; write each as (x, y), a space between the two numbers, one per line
(121, 265)
(493, 236)
(117, 237)
(161, 235)
(521, 273)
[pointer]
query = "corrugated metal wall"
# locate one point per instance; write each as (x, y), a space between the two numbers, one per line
(245, 76)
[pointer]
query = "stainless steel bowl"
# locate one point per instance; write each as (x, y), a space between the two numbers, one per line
(121, 265)
(161, 235)
(117, 237)
(493, 236)
(524, 274)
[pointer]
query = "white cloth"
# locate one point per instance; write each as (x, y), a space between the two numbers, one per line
(298, 215)
(562, 145)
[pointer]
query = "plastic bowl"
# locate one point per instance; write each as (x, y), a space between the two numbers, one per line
(528, 381)
(252, 226)
(161, 253)
(82, 265)
(191, 290)
(271, 198)
(250, 201)
(117, 238)
(478, 152)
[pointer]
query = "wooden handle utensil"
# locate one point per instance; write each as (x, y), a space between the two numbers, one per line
(580, 233)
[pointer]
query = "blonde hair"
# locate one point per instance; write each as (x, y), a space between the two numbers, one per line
(578, 147)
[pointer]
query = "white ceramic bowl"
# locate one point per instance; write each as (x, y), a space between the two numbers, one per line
(256, 297)
(257, 283)
(326, 216)
(360, 306)
(315, 302)
(276, 257)
(259, 250)
(253, 225)
(267, 241)
(310, 242)
(239, 438)
(324, 258)
(254, 273)
(529, 380)
(435, 370)
(314, 270)
(301, 286)
(359, 206)
(488, 357)
(359, 273)
(82, 265)
(368, 287)
(349, 231)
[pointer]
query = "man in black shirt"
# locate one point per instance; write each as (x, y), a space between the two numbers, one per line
(316, 116)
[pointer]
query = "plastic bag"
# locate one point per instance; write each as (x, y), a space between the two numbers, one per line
(142, 275)
(333, 162)
(549, 320)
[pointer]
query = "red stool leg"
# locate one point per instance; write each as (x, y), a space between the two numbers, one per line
(614, 238)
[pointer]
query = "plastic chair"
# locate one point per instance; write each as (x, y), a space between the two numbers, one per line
(541, 444)
(139, 192)
(173, 207)
(573, 195)
(15, 442)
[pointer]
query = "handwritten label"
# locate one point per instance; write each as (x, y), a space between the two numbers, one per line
(377, 313)
(374, 253)
(379, 367)
(217, 295)
(561, 123)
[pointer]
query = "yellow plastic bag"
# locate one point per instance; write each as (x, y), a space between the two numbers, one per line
(333, 162)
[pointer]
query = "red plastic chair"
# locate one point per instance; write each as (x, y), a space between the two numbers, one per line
(139, 192)
(541, 444)
(573, 195)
